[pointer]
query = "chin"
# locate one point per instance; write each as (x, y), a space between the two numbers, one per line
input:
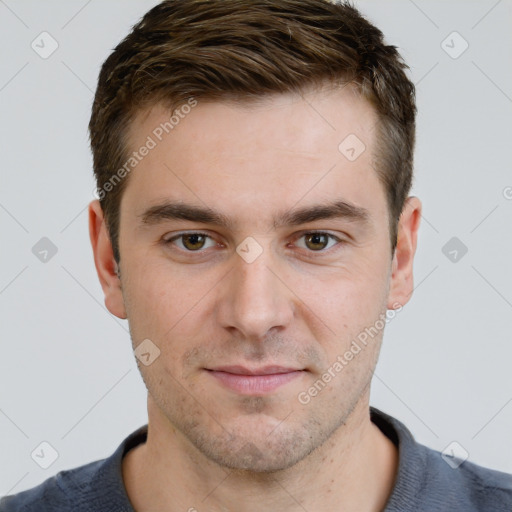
(256, 450)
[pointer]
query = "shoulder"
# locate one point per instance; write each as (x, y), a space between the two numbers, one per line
(466, 484)
(64, 491)
(426, 481)
(94, 487)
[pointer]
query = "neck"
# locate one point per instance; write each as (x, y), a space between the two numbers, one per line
(354, 470)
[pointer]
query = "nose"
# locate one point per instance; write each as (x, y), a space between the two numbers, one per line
(255, 300)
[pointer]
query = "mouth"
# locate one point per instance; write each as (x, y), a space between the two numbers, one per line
(254, 381)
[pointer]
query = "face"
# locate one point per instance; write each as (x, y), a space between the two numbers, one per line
(253, 253)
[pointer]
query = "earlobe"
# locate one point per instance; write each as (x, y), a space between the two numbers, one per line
(106, 266)
(402, 283)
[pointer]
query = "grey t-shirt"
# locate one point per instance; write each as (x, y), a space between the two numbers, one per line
(424, 483)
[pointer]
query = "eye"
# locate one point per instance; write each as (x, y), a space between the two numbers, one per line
(318, 241)
(197, 242)
(191, 242)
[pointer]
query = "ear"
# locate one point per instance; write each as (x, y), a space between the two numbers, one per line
(106, 266)
(402, 284)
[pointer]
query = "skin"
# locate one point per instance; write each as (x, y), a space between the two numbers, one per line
(299, 304)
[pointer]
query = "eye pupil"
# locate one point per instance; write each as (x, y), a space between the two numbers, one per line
(193, 241)
(316, 241)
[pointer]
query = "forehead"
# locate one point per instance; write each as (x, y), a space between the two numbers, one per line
(256, 156)
(300, 120)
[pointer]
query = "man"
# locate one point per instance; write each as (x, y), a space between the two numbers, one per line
(253, 161)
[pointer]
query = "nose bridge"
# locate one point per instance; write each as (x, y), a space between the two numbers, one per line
(256, 301)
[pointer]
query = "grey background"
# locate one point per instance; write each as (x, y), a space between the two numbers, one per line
(67, 373)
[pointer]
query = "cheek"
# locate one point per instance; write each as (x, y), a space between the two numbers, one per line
(169, 307)
(349, 307)
(347, 296)
(151, 303)
(156, 291)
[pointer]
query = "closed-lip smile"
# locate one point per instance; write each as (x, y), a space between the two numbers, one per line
(254, 381)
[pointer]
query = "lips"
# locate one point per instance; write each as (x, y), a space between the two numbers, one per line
(254, 381)
(266, 370)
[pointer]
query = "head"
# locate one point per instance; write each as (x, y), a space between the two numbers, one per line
(253, 160)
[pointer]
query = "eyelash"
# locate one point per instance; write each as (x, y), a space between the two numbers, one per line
(318, 253)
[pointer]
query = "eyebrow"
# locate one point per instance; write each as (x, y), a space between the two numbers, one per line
(171, 210)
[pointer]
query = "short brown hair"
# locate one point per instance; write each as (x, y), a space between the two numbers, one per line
(243, 49)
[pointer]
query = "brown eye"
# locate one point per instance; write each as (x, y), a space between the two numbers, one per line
(194, 241)
(316, 241)
(319, 241)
